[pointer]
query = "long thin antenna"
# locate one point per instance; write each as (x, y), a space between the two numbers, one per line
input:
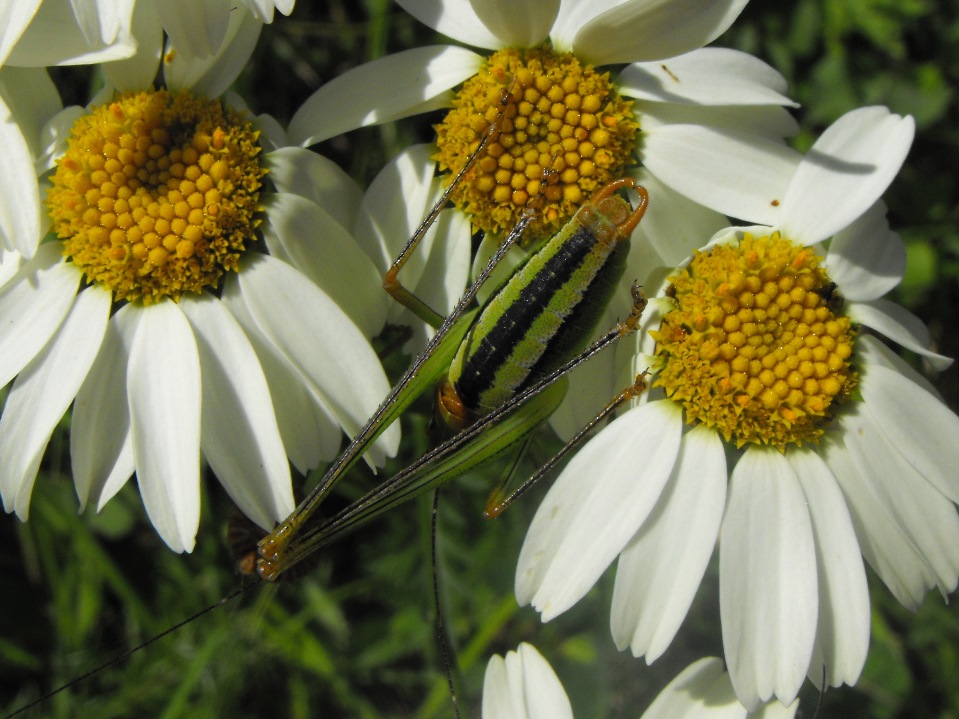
(130, 652)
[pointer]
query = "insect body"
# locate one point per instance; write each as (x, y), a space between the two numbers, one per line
(491, 365)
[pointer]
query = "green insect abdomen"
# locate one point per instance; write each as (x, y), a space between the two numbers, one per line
(545, 313)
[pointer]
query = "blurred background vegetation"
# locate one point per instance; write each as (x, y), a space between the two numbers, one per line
(355, 638)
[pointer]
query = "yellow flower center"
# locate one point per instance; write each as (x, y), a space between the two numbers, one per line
(755, 346)
(157, 194)
(565, 131)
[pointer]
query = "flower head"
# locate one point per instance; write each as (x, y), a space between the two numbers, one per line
(522, 685)
(770, 425)
(558, 125)
(150, 309)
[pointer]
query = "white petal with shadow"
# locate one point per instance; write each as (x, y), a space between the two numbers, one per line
(866, 259)
(238, 431)
(306, 173)
(101, 446)
(661, 568)
(454, 18)
(517, 23)
(596, 506)
(768, 596)
(20, 199)
(523, 686)
(917, 424)
(163, 388)
(33, 303)
(845, 172)
(708, 76)
(640, 30)
(741, 176)
(42, 393)
(380, 91)
(324, 345)
(900, 325)
(310, 432)
(926, 518)
(211, 76)
(842, 635)
(305, 235)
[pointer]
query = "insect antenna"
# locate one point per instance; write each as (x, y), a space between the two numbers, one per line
(130, 652)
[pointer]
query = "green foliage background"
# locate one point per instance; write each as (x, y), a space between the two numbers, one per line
(355, 638)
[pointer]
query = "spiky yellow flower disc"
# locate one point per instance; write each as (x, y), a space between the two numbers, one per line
(755, 346)
(157, 194)
(562, 121)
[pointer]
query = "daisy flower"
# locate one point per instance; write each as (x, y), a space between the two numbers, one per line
(149, 308)
(779, 424)
(522, 685)
(675, 105)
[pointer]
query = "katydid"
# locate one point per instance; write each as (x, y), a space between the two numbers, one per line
(496, 367)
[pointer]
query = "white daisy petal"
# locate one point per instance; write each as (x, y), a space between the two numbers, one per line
(927, 519)
(573, 14)
(32, 99)
(640, 30)
(739, 175)
(596, 506)
(660, 569)
(842, 637)
(393, 207)
(211, 76)
(866, 257)
(517, 23)
(102, 21)
(54, 140)
(701, 690)
(523, 686)
(454, 18)
(762, 122)
(355, 98)
(101, 446)
(33, 304)
(239, 435)
(14, 19)
(310, 433)
(324, 345)
(42, 393)
(306, 173)
(198, 29)
(20, 200)
(140, 70)
(707, 76)
(55, 37)
(845, 172)
(444, 277)
(900, 325)
(304, 234)
(916, 424)
(872, 350)
(775, 710)
(767, 579)
(883, 545)
(163, 388)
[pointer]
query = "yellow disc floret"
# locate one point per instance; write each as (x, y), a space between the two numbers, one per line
(157, 194)
(563, 132)
(755, 346)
